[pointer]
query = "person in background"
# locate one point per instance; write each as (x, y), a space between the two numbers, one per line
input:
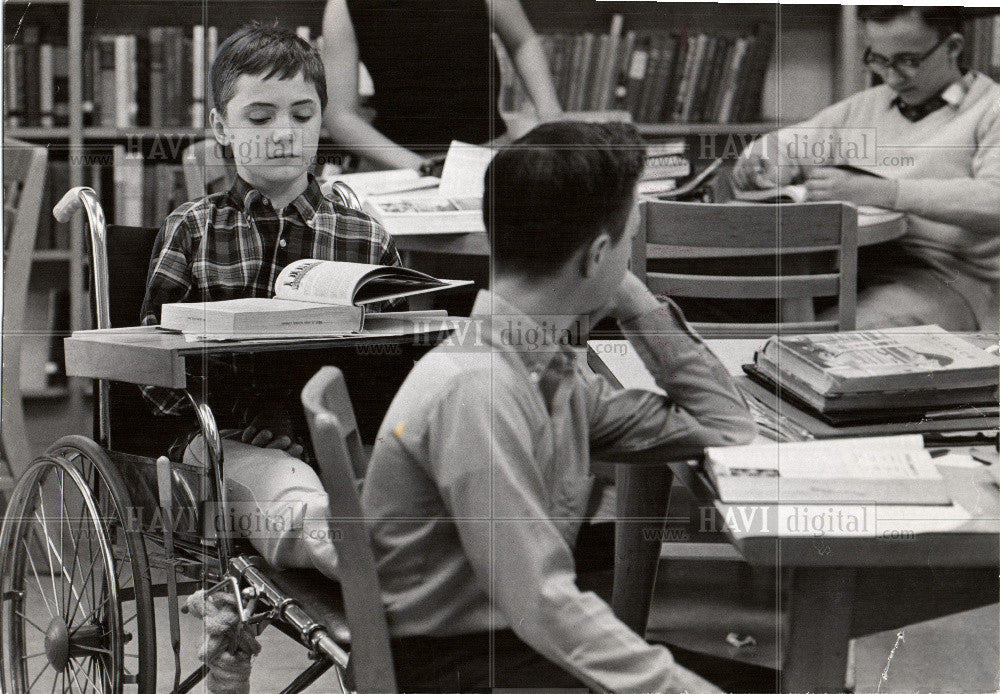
(435, 72)
(481, 478)
(931, 131)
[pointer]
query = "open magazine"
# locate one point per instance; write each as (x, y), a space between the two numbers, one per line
(455, 207)
(795, 192)
(311, 298)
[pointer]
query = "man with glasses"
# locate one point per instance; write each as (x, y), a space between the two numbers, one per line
(930, 132)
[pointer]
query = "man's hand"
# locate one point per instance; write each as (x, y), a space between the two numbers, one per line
(827, 183)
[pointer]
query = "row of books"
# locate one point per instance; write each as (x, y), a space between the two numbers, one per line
(656, 76)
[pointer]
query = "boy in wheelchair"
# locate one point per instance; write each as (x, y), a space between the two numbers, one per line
(269, 88)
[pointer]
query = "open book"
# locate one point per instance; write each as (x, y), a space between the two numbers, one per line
(882, 470)
(455, 207)
(311, 297)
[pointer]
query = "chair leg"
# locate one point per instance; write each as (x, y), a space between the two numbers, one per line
(14, 434)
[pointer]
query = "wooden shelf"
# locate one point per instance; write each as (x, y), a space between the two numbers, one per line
(51, 255)
(46, 393)
(38, 133)
(680, 129)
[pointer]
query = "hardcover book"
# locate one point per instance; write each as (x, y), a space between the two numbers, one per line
(311, 297)
(876, 470)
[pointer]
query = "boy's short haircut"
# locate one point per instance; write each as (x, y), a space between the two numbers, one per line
(266, 50)
(555, 189)
(944, 20)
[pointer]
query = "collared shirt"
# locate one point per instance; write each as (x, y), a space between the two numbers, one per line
(952, 95)
(233, 244)
(481, 476)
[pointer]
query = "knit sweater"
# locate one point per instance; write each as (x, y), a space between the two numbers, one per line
(948, 168)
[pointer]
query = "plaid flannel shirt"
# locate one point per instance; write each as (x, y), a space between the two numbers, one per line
(233, 244)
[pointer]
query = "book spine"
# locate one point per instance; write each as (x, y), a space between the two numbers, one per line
(198, 76)
(31, 107)
(619, 96)
(638, 63)
(156, 77)
(661, 79)
(12, 78)
(655, 46)
(46, 77)
(609, 74)
(60, 85)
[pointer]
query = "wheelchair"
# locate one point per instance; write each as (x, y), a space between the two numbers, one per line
(94, 532)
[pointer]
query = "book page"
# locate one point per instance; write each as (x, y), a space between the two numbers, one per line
(464, 169)
(321, 281)
(383, 182)
(793, 193)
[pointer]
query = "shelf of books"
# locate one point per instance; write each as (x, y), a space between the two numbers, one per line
(117, 90)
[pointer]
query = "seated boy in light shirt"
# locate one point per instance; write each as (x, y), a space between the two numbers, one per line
(481, 475)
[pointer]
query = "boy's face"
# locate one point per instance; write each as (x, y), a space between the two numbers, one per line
(273, 127)
(910, 35)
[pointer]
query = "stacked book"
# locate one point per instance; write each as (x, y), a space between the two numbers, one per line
(665, 163)
(875, 470)
(906, 374)
(657, 76)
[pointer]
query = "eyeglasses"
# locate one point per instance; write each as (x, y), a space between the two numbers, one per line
(903, 63)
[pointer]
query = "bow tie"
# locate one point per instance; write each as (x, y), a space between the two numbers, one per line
(914, 112)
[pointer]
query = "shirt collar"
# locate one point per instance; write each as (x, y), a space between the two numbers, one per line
(532, 338)
(244, 195)
(953, 95)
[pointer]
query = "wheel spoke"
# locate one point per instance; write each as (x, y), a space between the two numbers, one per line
(34, 570)
(94, 649)
(33, 655)
(62, 496)
(89, 681)
(48, 543)
(76, 547)
(125, 623)
(62, 568)
(37, 677)
(25, 618)
(90, 571)
(72, 673)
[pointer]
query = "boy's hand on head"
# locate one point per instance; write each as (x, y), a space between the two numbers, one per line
(632, 299)
(273, 429)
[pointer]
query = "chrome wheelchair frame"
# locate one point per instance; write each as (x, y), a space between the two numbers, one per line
(75, 634)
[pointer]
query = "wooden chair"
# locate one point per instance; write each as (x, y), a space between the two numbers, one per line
(208, 168)
(786, 238)
(342, 460)
(23, 180)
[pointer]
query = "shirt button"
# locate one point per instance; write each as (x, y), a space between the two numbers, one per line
(282, 243)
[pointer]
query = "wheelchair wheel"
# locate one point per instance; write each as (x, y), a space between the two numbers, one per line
(76, 610)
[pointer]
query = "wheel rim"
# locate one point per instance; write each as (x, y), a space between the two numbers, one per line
(61, 613)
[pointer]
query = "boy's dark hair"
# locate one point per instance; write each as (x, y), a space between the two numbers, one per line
(944, 20)
(266, 50)
(555, 189)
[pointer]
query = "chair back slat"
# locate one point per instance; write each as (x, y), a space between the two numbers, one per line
(678, 231)
(700, 225)
(722, 287)
(330, 419)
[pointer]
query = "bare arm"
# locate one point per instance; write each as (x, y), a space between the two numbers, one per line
(340, 58)
(522, 44)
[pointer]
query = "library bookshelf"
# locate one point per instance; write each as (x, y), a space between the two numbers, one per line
(815, 60)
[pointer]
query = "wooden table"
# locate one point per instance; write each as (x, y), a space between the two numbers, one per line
(872, 230)
(150, 356)
(844, 584)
